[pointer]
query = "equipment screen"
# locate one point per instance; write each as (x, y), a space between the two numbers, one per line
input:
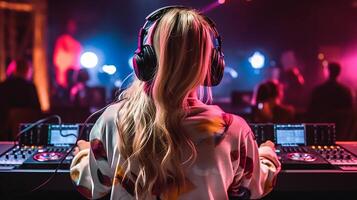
(62, 136)
(290, 134)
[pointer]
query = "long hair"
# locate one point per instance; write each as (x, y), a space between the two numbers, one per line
(152, 140)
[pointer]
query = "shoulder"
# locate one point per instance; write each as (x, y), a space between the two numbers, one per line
(345, 88)
(236, 123)
(212, 119)
(285, 108)
(105, 128)
(110, 113)
(107, 120)
(30, 84)
(240, 125)
(321, 87)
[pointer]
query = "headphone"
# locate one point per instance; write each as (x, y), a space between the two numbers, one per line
(145, 60)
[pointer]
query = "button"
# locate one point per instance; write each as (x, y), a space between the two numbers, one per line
(69, 157)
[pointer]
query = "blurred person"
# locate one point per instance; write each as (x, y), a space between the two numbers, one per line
(332, 94)
(60, 96)
(332, 101)
(160, 141)
(293, 81)
(66, 54)
(11, 68)
(18, 91)
(268, 106)
(79, 92)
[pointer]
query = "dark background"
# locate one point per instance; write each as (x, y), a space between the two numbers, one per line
(270, 26)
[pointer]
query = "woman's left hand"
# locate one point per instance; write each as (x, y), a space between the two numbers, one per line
(81, 145)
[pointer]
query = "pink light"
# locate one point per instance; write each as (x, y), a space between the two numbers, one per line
(221, 1)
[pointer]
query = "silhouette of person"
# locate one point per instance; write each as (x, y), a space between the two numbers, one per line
(66, 53)
(79, 93)
(332, 101)
(268, 106)
(18, 91)
(293, 81)
(331, 95)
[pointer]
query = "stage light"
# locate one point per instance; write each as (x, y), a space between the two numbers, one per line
(109, 69)
(130, 62)
(221, 1)
(89, 59)
(118, 83)
(257, 60)
(231, 71)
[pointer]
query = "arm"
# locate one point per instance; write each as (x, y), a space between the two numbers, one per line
(257, 171)
(92, 169)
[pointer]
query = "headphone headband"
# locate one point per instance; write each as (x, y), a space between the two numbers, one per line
(155, 15)
(145, 54)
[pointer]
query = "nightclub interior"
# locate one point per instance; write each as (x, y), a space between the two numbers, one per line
(84, 83)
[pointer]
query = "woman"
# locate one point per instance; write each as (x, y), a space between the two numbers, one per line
(161, 141)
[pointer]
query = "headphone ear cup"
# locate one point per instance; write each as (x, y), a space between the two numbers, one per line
(144, 63)
(138, 64)
(217, 68)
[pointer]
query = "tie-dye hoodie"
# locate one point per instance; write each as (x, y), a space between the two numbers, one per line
(229, 163)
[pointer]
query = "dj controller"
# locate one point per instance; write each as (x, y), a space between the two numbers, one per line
(45, 146)
(313, 163)
(298, 146)
(307, 146)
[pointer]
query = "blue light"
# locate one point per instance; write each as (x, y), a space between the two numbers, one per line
(130, 62)
(109, 69)
(257, 60)
(231, 71)
(89, 59)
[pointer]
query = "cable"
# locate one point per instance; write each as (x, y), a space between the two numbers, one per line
(37, 123)
(71, 149)
(125, 79)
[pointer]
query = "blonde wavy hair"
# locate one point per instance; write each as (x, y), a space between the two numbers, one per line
(152, 140)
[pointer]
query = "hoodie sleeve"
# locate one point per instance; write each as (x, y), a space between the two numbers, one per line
(92, 170)
(258, 168)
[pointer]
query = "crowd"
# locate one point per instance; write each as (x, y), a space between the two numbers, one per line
(330, 102)
(274, 100)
